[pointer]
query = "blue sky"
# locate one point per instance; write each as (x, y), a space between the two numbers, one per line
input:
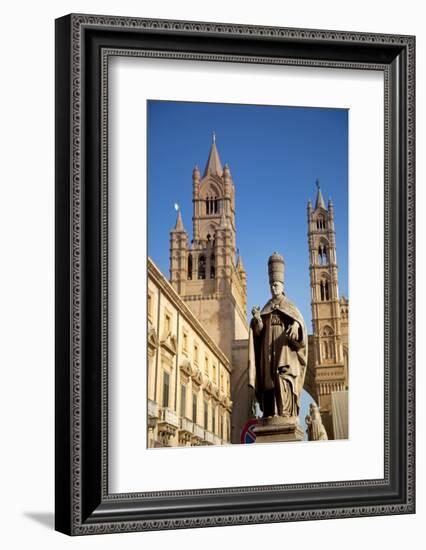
(275, 155)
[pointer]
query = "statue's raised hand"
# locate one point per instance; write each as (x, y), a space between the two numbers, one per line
(256, 312)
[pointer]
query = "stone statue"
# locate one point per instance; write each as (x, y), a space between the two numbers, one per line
(278, 350)
(315, 428)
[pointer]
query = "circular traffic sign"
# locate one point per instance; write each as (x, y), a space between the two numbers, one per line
(247, 434)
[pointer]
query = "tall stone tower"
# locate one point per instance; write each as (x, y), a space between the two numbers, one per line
(327, 369)
(206, 272)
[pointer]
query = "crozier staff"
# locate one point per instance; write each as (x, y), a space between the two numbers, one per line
(277, 349)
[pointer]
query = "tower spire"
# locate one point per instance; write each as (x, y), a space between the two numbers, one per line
(213, 166)
(179, 223)
(320, 199)
(240, 265)
(330, 336)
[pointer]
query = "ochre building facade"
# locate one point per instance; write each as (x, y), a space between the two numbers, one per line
(189, 377)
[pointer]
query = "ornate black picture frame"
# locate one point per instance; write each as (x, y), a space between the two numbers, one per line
(84, 44)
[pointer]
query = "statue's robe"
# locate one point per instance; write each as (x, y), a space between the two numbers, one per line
(276, 363)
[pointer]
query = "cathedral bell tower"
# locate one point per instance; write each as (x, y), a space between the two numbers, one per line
(328, 364)
(206, 272)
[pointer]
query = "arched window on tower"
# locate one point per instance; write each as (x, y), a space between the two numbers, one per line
(324, 290)
(321, 223)
(322, 254)
(212, 205)
(189, 267)
(328, 345)
(328, 331)
(212, 266)
(202, 267)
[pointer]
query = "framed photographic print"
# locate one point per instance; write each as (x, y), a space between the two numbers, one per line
(234, 274)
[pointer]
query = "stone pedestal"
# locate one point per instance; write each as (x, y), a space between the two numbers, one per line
(278, 428)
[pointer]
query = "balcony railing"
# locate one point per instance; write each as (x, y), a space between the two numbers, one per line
(170, 417)
(208, 436)
(198, 431)
(187, 425)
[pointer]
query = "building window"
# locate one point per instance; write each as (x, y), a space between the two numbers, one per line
(221, 426)
(195, 353)
(189, 267)
(214, 420)
(183, 401)
(167, 323)
(206, 365)
(212, 266)
(214, 374)
(202, 267)
(166, 388)
(185, 342)
(194, 408)
(206, 415)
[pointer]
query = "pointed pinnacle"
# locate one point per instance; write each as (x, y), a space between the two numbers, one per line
(179, 223)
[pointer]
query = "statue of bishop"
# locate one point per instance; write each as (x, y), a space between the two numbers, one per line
(278, 350)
